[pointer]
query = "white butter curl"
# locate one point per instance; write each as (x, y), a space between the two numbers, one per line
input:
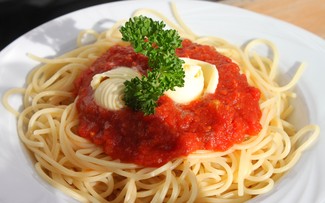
(200, 77)
(109, 87)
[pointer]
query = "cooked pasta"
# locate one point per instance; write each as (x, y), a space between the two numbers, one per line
(47, 126)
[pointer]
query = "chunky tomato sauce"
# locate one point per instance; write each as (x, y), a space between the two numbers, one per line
(213, 122)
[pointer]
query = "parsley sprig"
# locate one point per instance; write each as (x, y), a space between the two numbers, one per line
(149, 37)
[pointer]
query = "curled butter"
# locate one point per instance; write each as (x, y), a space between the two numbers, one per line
(109, 87)
(200, 77)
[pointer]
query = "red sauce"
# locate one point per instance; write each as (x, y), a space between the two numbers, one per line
(214, 122)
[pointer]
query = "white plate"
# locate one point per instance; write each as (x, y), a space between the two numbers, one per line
(305, 183)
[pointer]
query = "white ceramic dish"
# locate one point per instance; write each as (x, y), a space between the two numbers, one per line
(305, 183)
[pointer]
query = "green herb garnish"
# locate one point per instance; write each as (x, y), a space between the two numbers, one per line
(149, 38)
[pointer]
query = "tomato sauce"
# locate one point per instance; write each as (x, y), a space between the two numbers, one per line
(213, 122)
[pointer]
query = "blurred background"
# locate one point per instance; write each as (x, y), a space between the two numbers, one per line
(19, 16)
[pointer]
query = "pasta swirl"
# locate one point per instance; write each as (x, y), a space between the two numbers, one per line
(47, 126)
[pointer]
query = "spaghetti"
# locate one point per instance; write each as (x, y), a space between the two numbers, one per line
(47, 126)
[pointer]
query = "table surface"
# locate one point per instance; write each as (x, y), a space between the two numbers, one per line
(307, 14)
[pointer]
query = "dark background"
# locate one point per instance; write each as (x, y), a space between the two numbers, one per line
(19, 16)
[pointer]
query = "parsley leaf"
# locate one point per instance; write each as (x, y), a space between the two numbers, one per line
(149, 37)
